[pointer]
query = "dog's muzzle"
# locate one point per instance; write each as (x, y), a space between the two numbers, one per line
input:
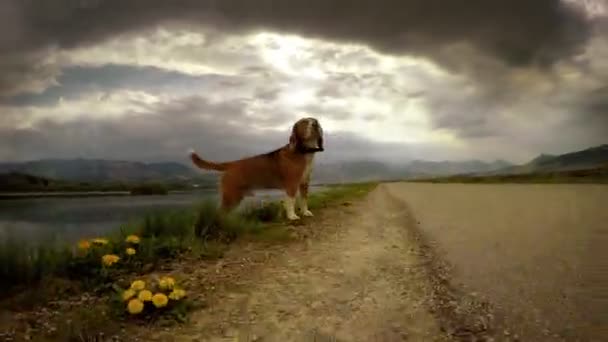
(305, 149)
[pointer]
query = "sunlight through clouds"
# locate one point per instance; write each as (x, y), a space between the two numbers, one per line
(359, 81)
(437, 88)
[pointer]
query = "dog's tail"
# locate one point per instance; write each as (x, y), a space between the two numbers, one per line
(206, 165)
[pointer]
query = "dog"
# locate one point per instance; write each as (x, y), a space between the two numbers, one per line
(287, 168)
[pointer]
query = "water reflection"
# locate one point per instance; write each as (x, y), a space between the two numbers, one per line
(68, 219)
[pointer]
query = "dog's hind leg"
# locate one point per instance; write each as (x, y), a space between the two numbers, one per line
(230, 200)
(232, 194)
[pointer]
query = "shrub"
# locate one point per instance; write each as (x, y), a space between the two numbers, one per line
(23, 263)
(177, 223)
(149, 189)
(264, 212)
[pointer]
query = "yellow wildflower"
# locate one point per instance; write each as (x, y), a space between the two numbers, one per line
(127, 294)
(135, 306)
(132, 239)
(131, 251)
(109, 259)
(145, 295)
(177, 294)
(166, 283)
(100, 241)
(138, 285)
(84, 244)
(159, 300)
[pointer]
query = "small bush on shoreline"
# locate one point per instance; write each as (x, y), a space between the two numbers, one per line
(149, 189)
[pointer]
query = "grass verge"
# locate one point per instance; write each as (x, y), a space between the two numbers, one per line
(200, 232)
(91, 285)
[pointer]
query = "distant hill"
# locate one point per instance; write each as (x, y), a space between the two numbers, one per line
(356, 171)
(444, 168)
(97, 174)
(595, 175)
(96, 170)
(593, 157)
(111, 171)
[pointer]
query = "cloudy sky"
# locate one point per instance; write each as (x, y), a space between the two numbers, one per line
(387, 79)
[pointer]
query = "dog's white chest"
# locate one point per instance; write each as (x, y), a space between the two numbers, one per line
(308, 167)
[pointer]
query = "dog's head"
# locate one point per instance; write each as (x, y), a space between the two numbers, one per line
(306, 136)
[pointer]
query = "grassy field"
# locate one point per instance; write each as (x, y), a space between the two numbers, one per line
(591, 176)
(85, 284)
(167, 235)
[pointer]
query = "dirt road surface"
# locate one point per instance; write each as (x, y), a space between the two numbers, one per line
(538, 253)
(417, 262)
(357, 279)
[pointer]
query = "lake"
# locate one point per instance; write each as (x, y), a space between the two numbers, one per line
(67, 219)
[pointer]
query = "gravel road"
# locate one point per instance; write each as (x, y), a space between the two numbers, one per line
(537, 253)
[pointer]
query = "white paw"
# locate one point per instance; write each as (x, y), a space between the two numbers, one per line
(293, 217)
(308, 213)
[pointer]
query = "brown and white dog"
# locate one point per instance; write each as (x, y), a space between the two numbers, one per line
(287, 168)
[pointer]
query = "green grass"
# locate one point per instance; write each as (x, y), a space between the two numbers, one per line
(200, 232)
(338, 193)
(25, 264)
(31, 275)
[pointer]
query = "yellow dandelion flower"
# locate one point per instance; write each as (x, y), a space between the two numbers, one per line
(84, 244)
(100, 241)
(144, 296)
(138, 285)
(166, 283)
(131, 251)
(132, 239)
(177, 294)
(135, 306)
(127, 294)
(109, 259)
(159, 300)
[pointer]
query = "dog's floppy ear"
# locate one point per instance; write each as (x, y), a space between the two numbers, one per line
(293, 138)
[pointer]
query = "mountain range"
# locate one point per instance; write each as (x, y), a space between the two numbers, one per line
(578, 160)
(104, 171)
(99, 170)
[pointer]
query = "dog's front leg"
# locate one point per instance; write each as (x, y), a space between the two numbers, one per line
(304, 200)
(290, 203)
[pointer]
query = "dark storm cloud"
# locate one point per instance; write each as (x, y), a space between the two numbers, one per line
(479, 42)
(469, 116)
(73, 82)
(343, 84)
(595, 109)
(518, 32)
(218, 129)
